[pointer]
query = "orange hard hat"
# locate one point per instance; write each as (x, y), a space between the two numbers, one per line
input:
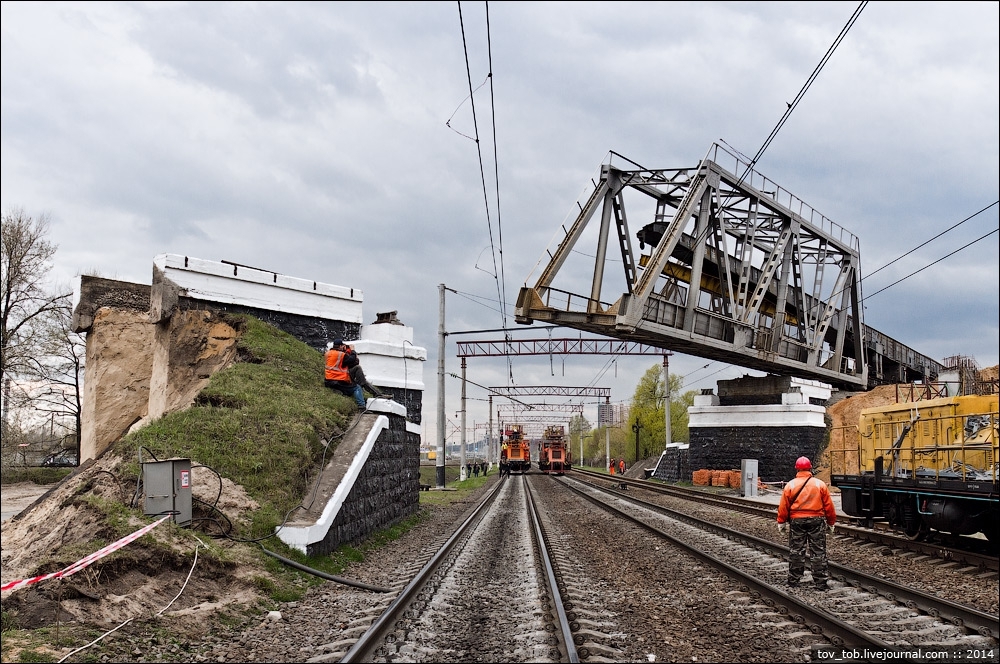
(803, 463)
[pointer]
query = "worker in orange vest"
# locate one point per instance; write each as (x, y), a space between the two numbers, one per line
(611, 469)
(339, 360)
(621, 466)
(806, 503)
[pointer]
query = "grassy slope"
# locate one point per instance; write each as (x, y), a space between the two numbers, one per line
(260, 423)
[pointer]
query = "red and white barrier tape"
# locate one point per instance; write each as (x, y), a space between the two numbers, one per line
(84, 562)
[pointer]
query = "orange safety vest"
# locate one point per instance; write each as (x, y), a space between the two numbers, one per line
(335, 366)
(812, 501)
(621, 466)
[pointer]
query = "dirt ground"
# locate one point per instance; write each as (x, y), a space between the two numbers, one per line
(72, 521)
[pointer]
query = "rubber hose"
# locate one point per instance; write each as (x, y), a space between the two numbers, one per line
(324, 575)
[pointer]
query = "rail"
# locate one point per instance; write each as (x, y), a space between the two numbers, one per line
(364, 647)
(968, 551)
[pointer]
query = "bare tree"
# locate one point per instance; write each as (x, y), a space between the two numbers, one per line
(58, 368)
(25, 262)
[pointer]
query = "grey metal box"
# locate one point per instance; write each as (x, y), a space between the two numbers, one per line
(748, 484)
(168, 488)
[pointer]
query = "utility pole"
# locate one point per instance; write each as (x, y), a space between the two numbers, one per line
(440, 404)
(635, 428)
(607, 433)
(666, 392)
(461, 455)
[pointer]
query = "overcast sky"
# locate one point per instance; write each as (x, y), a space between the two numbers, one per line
(314, 140)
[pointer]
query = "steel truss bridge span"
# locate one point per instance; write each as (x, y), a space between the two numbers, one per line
(739, 270)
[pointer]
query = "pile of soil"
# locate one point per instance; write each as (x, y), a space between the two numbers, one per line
(84, 512)
(74, 519)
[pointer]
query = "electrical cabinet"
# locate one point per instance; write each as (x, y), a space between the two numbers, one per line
(168, 488)
(748, 485)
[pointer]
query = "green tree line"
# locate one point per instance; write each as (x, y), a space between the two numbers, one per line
(643, 429)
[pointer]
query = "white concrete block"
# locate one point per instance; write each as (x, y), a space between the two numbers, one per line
(231, 284)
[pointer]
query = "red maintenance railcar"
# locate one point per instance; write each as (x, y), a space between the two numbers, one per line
(515, 450)
(554, 455)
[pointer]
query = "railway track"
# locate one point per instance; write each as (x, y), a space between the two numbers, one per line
(513, 583)
(862, 611)
(496, 564)
(971, 552)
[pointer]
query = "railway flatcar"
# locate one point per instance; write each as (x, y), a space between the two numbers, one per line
(924, 466)
(553, 456)
(515, 450)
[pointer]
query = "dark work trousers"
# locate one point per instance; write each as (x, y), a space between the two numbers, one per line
(807, 538)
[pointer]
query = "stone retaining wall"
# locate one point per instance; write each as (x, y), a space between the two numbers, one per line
(775, 448)
(674, 464)
(384, 493)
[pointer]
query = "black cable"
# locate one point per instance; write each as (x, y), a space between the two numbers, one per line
(121, 489)
(780, 123)
(219, 494)
(324, 575)
(224, 530)
(805, 87)
(995, 230)
(904, 255)
(322, 463)
(499, 277)
(496, 174)
(475, 125)
(901, 256)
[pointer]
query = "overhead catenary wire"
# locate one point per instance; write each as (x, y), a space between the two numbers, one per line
(498, 273)
(496, 166)
(966, 246)
(920, 246)
(791, 107)
(752, 161)
(812, 78)
(926, 242)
